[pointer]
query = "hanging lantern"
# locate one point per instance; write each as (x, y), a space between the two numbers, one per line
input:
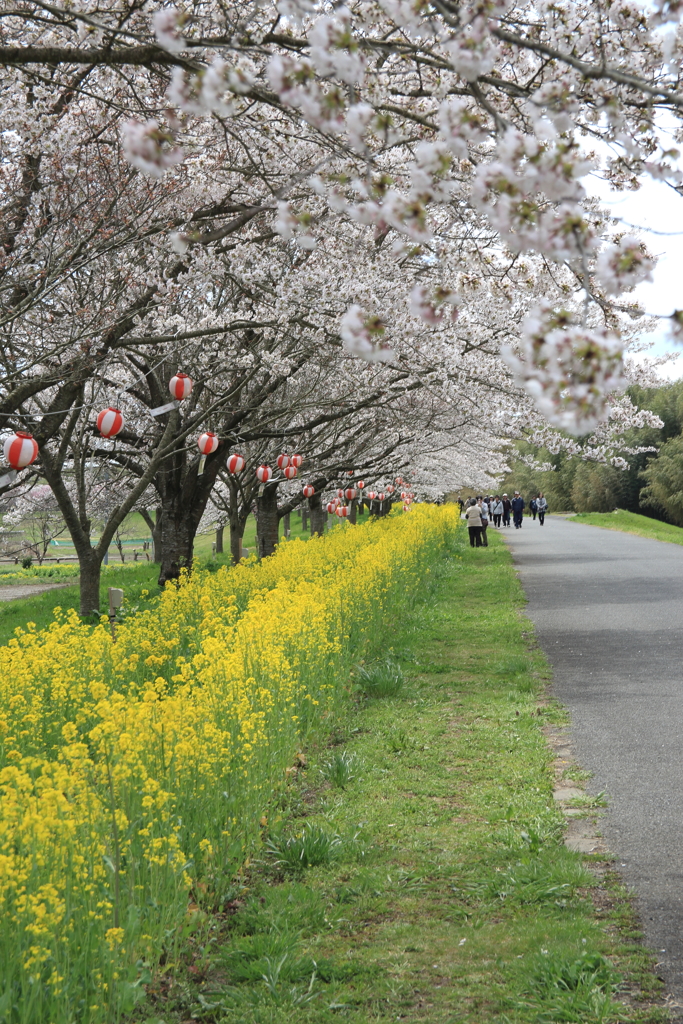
(296, 460)
(110, 422)
(264, 473)
(371, 495)
(207, 442)
(331, 508)
(342, 511)
(336, 500)
(283, 461)
(399, 480)
(361, 485)
(381, 496)
(290, 472)
(340, 492)
(235, 464)
(390, 488)
(308, 490)
(20, 450)
(180, 386)
(406, 508)
(350, 493)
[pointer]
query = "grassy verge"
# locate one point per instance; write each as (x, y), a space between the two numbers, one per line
(417, 869)
(138, 582)
(630, 522)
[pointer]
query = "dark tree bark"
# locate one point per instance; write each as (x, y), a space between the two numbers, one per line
(353, 508)
(236, 534)
(90, 566)
(286, 524)
(318, 514)
(267, 520)
(304, 520)
(219, 540)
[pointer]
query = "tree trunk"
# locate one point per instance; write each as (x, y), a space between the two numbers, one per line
(318, 515)
(177, 544)
(90, 571)
(219, 540)
(286, 524)
(268, 522)
(353, 508)
(236, 534)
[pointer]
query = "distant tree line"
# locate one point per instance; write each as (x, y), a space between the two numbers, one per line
(651, 486)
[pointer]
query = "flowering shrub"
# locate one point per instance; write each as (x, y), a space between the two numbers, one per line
(134, 775)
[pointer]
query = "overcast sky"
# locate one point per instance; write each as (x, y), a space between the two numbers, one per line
(658, 208)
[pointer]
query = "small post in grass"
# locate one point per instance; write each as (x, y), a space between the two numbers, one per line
(115, 601)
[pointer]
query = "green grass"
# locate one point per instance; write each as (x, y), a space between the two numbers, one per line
(136, 532)
(39, 608)
(416, 870)
(630, 522)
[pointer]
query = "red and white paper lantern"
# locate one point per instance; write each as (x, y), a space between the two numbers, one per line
(406, 508)
(20, 450)
(235, 464)
(290, 472)
(360, 485)
(283, 461)
(340, 492)
(180, 386)
(399, 480)
(371, 495)
(331, 507)
(342, 511)
(381, 496)
(110, 422)
(264, 473)
(207, 442)
(390, 488)
(350, 493)
(296, 460)
(308, 490)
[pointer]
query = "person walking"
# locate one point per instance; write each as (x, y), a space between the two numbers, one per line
(484, 513)
(533, 508)
(517, 504)
(497, 511)
(473, 517)
(507, 507)
(542, 506)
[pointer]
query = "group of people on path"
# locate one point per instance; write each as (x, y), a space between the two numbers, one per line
(479, 512)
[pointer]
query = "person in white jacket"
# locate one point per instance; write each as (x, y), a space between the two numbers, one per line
(497, 510)
(541, 508)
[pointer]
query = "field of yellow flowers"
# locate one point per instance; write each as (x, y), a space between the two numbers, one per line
(134, 774)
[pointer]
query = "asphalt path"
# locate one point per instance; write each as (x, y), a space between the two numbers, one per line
(608, 610)
(13, 591)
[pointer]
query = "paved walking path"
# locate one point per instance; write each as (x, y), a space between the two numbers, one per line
(608, 609)
(13, 591)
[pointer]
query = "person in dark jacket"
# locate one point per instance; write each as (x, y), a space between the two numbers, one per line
(532, 507)
(517, 504)
(507, 507)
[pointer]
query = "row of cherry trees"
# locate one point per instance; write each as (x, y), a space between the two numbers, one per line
(361, 231)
